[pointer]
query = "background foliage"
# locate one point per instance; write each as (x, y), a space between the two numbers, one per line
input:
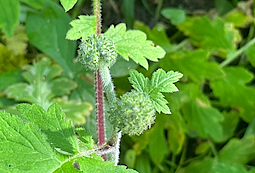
(212, 125)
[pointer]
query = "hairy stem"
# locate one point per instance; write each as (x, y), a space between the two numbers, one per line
(99, 87)
(111, 97)
(107, 83)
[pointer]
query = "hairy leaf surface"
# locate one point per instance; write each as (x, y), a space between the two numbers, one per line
(160, 82)
(82, 28)
(133, 44)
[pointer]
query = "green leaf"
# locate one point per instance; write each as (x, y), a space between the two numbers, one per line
(250, 129)
(75, 110)
(130, 158)
(229, 124)
(232, 91)
(58, 130)
(238, 18)
(9, 78)
(68, 4)
(133, 44)
(209, 165)
(223, 6)
(47, 29)
(157, 35)
(45, 83)
(82, 28)
(140, 83)
(202, 119)
(216, 36)
(175, 15)
(121, 67)
(96, 166)
(238, 151)
(38, 4)
(250, 54)
(157, 146)
(194, 65)
(160, 82)
(24, 148)
(9, 20)
(143, 164)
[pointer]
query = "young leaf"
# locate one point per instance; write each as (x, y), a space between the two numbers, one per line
(53, 123)
(9, 12)
(68, 4)
(160, 82)
(133, 44)
(82, 28)
(45, 83)
(140, 83)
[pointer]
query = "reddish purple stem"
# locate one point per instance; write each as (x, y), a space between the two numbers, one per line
(100, 111)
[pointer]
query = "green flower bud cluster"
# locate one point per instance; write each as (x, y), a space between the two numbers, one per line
(97, 48)
(133, 113)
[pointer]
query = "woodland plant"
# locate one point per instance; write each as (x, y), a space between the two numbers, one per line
(48, 142)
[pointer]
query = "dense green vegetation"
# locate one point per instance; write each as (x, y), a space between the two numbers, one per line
(211, 127)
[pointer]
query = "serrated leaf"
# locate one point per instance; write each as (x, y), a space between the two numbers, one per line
(96, 166)
(157, 35)
(216, 36)
(160, 82)
(238, 151)
(68, 4)
(194, 65)
(58, 130)
(24, 148)
(44, 84)
(140, 83)
(47, 29)
(163, 82)
(232, 91)
(133, 44)
(82, 28)
(9, 12)
(202, 119)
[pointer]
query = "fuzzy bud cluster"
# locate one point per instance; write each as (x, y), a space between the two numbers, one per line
(133, 113)
(97, 48)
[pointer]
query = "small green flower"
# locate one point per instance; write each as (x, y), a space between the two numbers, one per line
(97, 48)
(133, 113)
